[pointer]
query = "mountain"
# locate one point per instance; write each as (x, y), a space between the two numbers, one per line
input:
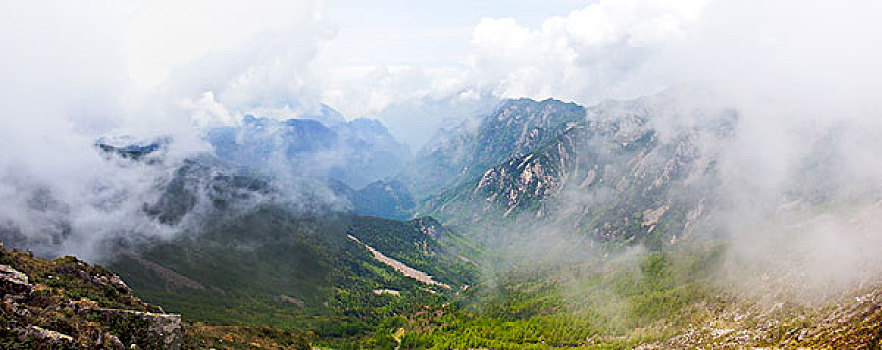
(130, 150)
(541, 224)
(356, 153)
(320, 273)
(286, 253)
(606, 230)
(604, 170)
(326, 115)
(385, 199)
(515, 127)
(283, 246)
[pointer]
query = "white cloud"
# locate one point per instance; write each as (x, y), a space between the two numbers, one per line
(74, 71)
(164, 35)
(207, 112)
(584, 56)
(587, 55)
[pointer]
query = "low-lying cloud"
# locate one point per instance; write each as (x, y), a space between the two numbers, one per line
(75, 72)
(803, 76)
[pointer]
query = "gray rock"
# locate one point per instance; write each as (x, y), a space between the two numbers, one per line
(163, 330)
(13, 281)
(45, 336)
(111, 341)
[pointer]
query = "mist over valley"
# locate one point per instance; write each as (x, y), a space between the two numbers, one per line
(310, 174)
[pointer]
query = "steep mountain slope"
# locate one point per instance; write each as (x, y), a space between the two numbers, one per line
(240, 247)
(67, 304)
(386, 199)
(606, 172)
(271, 267)
(286, 254)
(581, 227)
(515, 128)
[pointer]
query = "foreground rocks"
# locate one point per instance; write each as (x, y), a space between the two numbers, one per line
(68, 304)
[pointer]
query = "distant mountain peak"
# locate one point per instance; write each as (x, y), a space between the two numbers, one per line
(130, 148)
(357, 152)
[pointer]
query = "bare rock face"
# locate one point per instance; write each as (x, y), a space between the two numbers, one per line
(149, 329)
(166, 328)
(51, 339)
(110, 341)
(116, 282)
(593, 170)
(13, 281)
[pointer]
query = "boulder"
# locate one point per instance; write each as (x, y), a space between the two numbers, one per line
(13, 281)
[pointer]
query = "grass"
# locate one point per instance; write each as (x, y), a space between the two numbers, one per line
(610, 306)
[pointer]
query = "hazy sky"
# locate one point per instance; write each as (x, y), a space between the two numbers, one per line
(159, 64)
(411, 50)
(421, 32)
(137, 66)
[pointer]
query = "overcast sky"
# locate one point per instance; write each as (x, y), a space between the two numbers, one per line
(163, 66)
(420, 32)
(410, 50)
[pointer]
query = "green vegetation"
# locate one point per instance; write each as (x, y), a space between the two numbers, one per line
(272, 268)
(615, 305)
(664, 298)
(68, 304)
(202, 336)
(270, 278)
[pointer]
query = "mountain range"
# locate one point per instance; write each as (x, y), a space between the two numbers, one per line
(539, 224)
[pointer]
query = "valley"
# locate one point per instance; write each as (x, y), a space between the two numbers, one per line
(342, 174)
(548, 225)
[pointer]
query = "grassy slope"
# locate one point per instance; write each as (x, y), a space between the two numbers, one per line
(270, 268)
(65, 285)
(617, 305)
(661, 301)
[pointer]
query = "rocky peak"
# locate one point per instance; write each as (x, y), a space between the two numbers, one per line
(552, 154)
(462, 154)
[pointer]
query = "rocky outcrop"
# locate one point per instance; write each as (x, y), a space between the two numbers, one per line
(50, 339)
(14, 282)
(68, 304)
(593, 170)
(154, 328)
(515, 129)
